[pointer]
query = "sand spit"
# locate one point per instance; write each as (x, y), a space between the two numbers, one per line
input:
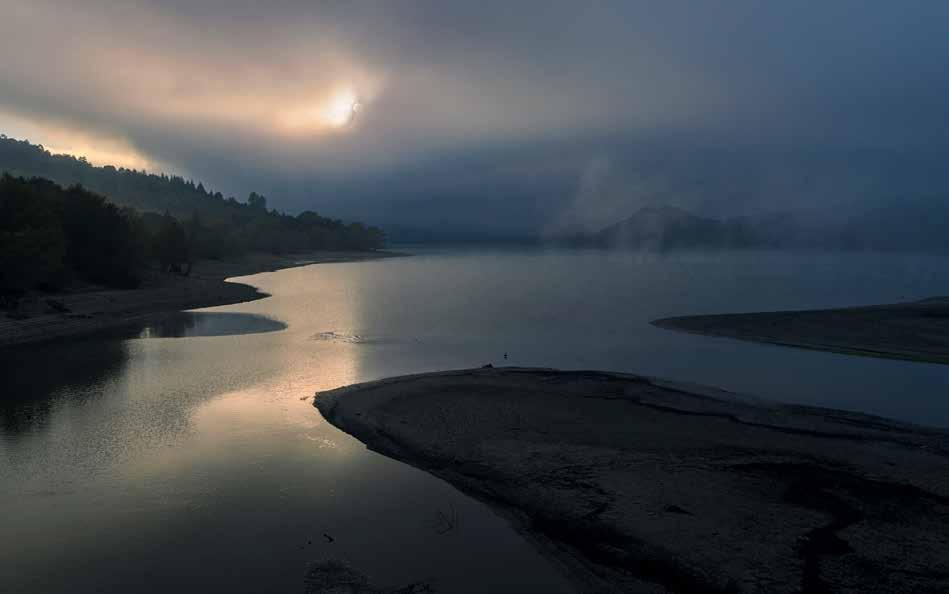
(915, 331)
(51, 316)
(637, 484)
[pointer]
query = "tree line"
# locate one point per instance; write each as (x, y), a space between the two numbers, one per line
(51, 236)
(57, 226)
(228, 226)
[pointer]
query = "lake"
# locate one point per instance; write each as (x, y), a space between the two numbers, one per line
(185, 454)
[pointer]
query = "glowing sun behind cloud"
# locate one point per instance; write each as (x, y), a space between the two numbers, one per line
(341, 109)
(334, 112)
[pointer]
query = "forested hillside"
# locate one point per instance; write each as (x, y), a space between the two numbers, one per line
(50, 237)
(226, 225)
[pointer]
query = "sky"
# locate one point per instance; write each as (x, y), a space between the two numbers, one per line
(535, 116)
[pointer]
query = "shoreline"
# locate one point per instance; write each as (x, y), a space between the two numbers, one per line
(631, 483)
(913, 331)
(52, 316)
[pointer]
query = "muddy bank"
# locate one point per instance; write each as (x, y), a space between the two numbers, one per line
(916, 331)
(637, 484)
(43, 317)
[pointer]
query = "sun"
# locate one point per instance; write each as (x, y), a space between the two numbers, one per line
(335, 111)
(341, 108)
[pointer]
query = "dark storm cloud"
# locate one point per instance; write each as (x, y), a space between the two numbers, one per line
(510, 115)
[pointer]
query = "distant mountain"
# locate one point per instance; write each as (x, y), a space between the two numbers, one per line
(913, 225)
(668, 227)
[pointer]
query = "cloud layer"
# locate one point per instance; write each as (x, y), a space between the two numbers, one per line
(510, 116)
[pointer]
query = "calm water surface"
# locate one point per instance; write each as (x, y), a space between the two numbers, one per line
(184, 455)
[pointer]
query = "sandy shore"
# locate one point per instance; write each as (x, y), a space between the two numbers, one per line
(636, 484)
(50, 316)
(916, 331)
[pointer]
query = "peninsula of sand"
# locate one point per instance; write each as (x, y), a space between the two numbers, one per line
(915, 331)
(42, 317)
(635, 484)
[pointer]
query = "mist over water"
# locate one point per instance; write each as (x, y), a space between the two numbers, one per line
(150, 465)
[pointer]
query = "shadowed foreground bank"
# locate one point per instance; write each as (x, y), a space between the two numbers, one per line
(916, 331)
(637, 484)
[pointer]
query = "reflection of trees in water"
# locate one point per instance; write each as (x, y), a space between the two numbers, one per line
(172, 326)
(193, 324)
(213, 324)
(169, 325)
(35, 377)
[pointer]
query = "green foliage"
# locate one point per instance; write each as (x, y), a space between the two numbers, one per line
(31, 257)
(50, 236)
(257, 202)
(101, 247)
(171, 245)
(32, 243)
(226, 226)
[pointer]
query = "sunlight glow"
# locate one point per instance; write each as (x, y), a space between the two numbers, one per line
(62, 140)
(341, 108)
(335, 112)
